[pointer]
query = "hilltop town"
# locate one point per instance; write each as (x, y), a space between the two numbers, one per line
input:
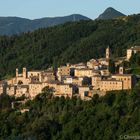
(82, 80)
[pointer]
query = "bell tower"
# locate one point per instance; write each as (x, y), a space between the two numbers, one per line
(16, 72)
(108, 52)
(24, 72)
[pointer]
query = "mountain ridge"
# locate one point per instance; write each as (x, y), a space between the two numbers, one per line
(17, 25)
(110, 13)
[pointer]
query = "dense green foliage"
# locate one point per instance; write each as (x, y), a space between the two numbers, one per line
(71, 42)
(108, 117)
(112, 67)
(16, 25)
(133, 65)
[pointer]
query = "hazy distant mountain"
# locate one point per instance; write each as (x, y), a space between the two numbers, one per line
(16, 25)
(110, 13)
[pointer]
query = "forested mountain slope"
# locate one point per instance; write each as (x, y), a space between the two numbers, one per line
(71, 42)
(17, 25)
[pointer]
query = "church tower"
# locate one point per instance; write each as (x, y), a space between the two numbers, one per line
(16, 72)
(108, 53)
(24, 73)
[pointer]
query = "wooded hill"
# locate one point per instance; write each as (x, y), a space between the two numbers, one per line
(111, 117)
(17, 25)
(71, 42)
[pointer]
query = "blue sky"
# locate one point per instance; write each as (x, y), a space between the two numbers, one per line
(50, 8)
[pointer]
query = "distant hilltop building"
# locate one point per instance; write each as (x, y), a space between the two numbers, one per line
(132, 50)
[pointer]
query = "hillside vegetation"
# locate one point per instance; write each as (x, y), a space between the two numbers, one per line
(71, 42)
(111, 117)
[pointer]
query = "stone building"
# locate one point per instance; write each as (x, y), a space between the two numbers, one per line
(29, 83)
(129, 80)
(35, 89)
(48, 76)
(104, 72)
(96, 80)
(103, 61)
(85, 72)
(22, 90)
(83, 92)
(79, 81)
(115, 82)
(63, 71)
(11, 90)
(110, 85)
(65, 90)
(132, 50)
(79, 66)
(93, 64)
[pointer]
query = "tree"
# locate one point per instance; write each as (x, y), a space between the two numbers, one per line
(47, 92)
(112, 67)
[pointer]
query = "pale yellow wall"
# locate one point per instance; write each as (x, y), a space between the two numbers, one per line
(11, 90)
(35, 73)
(75, 81)
(82, 91)
(35, 89)
(127, 80)
(129, 53)
(118, 82)
(11, 81)
(48, 77)
(84, 72)
(92, 63)
(63, 90)
(21, 91)
(105, 72)
(96, 81)
(63, 71)
(25, 81)
(110, 85)
(79, 66)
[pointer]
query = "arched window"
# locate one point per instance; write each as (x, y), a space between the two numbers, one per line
(20, 82)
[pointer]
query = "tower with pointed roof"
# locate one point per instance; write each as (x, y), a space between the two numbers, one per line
(108, 52)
